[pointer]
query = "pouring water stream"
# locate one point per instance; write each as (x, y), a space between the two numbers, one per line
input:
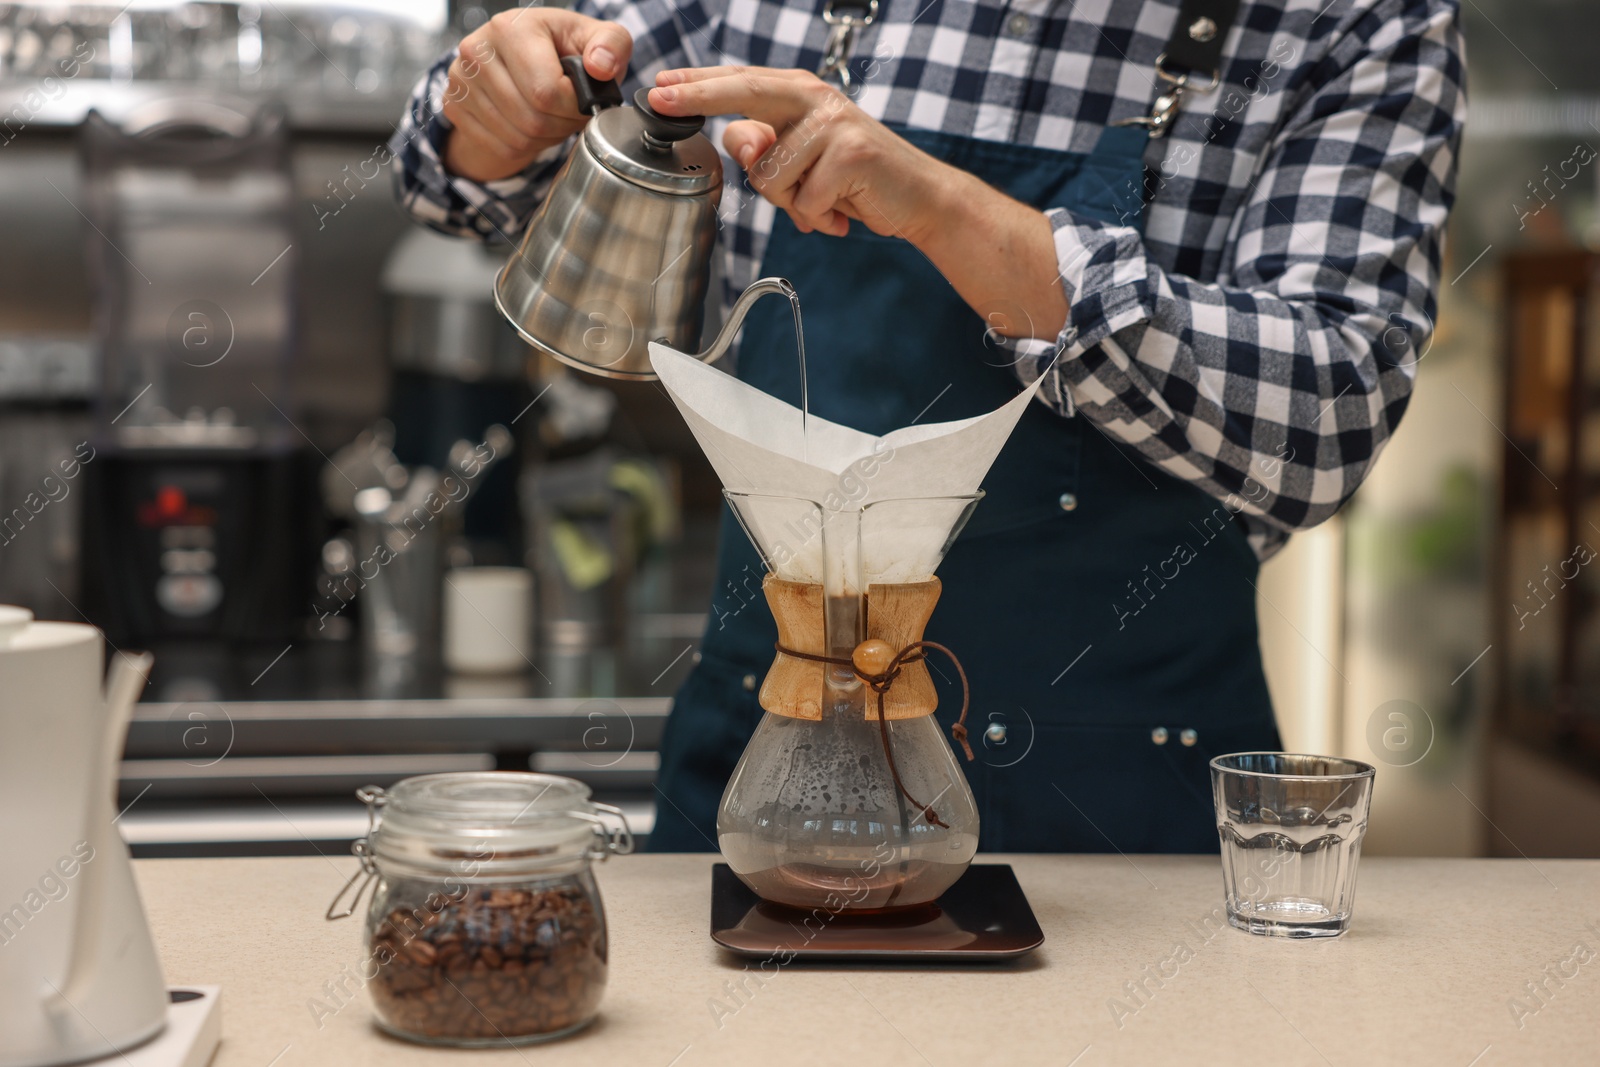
(805, 396)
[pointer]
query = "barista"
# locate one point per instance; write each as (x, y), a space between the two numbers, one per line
(1215, 230)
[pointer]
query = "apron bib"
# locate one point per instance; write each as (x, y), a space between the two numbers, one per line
(1104, 610)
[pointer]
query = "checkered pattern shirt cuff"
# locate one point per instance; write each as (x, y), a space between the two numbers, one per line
(493, 211)
(1104, 278)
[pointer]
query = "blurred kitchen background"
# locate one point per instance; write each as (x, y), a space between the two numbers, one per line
(231, 373)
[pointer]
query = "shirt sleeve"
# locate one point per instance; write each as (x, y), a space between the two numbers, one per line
(666, 34)
(1276, 388)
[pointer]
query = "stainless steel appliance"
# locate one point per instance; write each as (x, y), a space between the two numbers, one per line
(196, 506)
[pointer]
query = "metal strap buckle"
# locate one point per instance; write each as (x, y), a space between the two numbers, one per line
(843, 21)
(1164, 112)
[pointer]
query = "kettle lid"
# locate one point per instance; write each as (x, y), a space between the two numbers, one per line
(660, 152)
(21, 632)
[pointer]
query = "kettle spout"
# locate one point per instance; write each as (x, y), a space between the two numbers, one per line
(741, 308)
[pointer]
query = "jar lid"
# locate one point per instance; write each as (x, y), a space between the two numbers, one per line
(489, 823)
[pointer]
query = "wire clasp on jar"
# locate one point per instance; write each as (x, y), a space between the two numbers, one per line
(374, 797)
(609, 841)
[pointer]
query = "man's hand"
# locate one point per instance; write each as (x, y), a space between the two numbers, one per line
(508, 98)
(812, 152)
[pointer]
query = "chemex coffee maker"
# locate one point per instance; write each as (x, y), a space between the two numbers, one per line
(848, 796)
(79, 977)
(848, 829)
(848, 816)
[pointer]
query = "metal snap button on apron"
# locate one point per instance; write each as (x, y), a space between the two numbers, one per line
(1188, 738)
(750, 686)
(1069, 501)
(1018, 25)
(1159, 735)
(996, 733)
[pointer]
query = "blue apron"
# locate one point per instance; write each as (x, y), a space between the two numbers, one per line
(1104, 610)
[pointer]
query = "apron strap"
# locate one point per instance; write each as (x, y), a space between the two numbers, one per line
(1193, 51)
(1197, 38)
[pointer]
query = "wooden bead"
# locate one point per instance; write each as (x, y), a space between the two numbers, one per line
(873, 656)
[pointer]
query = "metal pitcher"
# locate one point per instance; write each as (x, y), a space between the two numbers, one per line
(619, 253)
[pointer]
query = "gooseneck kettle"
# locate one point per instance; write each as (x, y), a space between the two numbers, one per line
(79, 977)
(619, 253)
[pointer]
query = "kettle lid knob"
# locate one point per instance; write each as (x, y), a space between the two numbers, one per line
(663, 131)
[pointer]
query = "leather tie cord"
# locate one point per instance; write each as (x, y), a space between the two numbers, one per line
(880, 683)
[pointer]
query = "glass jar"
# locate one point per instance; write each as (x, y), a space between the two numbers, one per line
(485, 926)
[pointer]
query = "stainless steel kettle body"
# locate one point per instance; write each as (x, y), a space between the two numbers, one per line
(619, 253)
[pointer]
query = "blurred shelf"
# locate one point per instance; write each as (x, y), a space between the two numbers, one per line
(281, 828)
(599, 726)
(376, 115)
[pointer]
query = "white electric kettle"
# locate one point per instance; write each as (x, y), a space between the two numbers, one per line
(79, 976)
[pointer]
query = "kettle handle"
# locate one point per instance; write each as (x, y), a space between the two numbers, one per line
(593, 96)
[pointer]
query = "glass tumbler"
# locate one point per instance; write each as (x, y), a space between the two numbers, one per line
(1291, 829)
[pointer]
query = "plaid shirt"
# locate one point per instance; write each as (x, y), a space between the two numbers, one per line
(1259, 338)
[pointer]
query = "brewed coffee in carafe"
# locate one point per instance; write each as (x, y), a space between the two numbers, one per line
(849, 797)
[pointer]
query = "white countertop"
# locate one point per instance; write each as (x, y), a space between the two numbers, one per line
(1437, 953)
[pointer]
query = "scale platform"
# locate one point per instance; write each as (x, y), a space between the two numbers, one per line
(983, 918)
(190, 1038)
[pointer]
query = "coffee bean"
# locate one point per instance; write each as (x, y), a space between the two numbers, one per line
(490, 963)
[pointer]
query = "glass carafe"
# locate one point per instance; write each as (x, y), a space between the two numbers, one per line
(831, 806)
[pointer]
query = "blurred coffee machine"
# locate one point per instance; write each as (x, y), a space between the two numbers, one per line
(457, 367)
(196, 504)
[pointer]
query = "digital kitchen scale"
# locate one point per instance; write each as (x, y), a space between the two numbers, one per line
(191, 1036)
(983, 918)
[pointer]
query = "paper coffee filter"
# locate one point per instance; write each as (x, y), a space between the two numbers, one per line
(903, 480)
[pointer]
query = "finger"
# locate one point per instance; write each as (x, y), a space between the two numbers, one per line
(470, 97)
(494, 80)
(777, 101)
(780, 171)
(479, 109)
(836, 227)
(543, 91)
(747, 140)
(681, 75)
(605, 47)
(816, 200)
